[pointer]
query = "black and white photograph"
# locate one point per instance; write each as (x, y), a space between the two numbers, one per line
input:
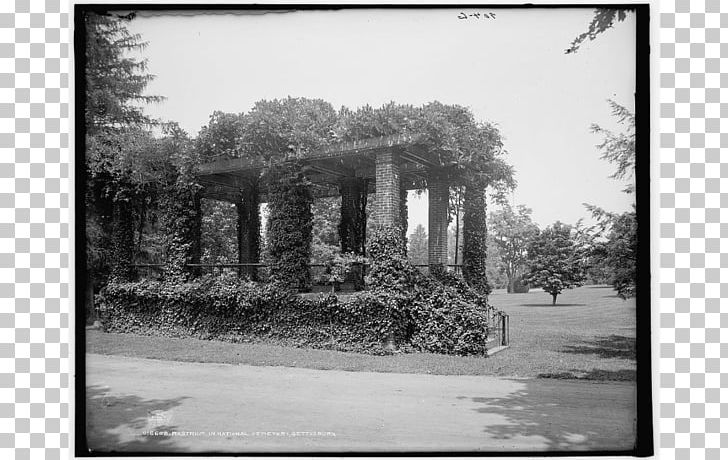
(341, 230)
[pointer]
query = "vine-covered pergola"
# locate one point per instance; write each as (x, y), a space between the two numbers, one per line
(387, 166)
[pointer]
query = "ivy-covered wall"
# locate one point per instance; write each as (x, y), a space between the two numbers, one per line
(289, 226)
(475, 235)
(183, 221)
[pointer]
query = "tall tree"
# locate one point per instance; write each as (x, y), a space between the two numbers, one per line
(617, 233)
(554, 260)
(512, 231)
(116, 135)
(418, 248)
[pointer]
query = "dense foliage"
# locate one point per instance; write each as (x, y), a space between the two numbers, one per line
(433, 317)
(555, 261)
(438, 313)
(289, 227)
(616, 250)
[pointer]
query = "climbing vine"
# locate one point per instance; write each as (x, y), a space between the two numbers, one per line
(475, 235)
(289, 226)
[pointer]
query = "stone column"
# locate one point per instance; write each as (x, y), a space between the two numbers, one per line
(388, 188)
(248, 230)
(438, 193)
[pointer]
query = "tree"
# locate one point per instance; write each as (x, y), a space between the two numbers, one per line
(512, 232)
(418, 246)
(554, 260)
(115, 81)
(604, 19)
(618, 232)
(617, 249)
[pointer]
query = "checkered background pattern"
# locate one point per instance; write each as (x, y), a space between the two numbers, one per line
(34, 229)
(693, 258)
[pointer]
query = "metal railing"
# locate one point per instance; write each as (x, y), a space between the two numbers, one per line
(499, 328)
(261, 269)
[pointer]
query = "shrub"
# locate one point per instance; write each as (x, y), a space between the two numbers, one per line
(519, 287)
(429, 318)
(226, 308)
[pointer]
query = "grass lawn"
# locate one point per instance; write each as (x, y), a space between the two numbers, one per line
(588, 334)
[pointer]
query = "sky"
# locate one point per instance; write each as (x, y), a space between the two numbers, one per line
(510, 71)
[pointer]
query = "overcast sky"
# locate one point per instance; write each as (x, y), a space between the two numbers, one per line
(510, 70)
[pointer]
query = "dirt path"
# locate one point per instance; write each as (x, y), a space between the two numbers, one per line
(196, 407)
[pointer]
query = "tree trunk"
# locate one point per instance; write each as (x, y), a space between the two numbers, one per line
(554, 296)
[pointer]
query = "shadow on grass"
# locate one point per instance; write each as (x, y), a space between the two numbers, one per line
(562, 416)
(613, 346)
(600, 286)
(553, 306)
(115, 423)
(601, 375)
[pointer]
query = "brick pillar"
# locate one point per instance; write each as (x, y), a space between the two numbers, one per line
(438, 193)
(388, 188)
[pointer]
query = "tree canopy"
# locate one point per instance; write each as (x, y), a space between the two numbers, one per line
(512, 231)
(115, 81)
